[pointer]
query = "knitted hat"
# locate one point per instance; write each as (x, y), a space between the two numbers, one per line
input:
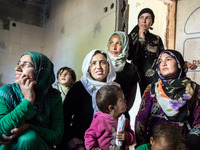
(147, 10)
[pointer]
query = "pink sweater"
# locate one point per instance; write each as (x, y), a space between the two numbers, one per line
(102, 132)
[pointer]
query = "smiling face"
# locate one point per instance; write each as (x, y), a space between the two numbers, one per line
(99, 67)
(115, 45)
(25, 67)
(145, 21)
(168, 66)
(64, 78)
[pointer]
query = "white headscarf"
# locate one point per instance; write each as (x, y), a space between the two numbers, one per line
(91, 85)
(119, 61)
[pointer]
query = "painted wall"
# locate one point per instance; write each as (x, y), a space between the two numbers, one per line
(14, 42)
(188, 34)
(75, 28)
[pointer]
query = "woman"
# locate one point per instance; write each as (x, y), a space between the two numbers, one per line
(80, 102)
(174, 99)
(127, 75)
(31, 113)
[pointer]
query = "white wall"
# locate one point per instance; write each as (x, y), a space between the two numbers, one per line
(76, 27)
(14, 42)
(188, 34)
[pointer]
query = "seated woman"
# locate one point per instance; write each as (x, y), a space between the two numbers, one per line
(127, 75)
(80, 102)
(174, 99)
(66, 78)
(31, 113)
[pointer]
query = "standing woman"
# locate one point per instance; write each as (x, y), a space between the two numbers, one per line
(80, 102)
(174, 99)
(31, 113)
(127, 75)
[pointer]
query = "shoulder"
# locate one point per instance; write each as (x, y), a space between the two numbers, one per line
(6, 90)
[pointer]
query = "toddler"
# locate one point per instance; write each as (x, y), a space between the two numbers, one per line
(102, 131)
(66, 78)
(164, 137)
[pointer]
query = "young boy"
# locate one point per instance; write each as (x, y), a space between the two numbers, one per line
(102, 131)
(164, 137)
(66, 78)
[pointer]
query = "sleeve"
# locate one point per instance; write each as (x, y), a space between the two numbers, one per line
(93, 133)
(142, 118)
(130, 136)
(196, 115)
(161, 46)
(133, 43)
(54, 133)
(15, 118)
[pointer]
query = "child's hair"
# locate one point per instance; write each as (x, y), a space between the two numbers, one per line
(70, 70)
(107, 95)
(169, 132)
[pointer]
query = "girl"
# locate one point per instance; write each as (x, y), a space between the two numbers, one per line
(102, 131)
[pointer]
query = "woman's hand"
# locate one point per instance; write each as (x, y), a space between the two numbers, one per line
(142, 33)
(191, 66)
(16, 132)
(121, 136)
(26, 84)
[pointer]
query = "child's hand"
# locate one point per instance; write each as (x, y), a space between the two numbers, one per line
(121, 135)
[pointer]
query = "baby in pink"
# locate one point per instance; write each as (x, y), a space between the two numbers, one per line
(102, 132)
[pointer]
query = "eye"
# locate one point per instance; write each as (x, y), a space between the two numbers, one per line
(111, 43)
(104, 62)
(119, 44)
(27, 65)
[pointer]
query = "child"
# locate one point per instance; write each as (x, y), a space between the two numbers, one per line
(164, 137)
(102, 131)
(66, 78)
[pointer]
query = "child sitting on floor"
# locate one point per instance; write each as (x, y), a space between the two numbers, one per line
(102, 131)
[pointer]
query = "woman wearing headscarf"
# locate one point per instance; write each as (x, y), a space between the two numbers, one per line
(31, 113)
(127, 75)
(173, 99)
(80, 102)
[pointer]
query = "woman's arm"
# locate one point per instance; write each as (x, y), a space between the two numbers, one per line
(15, 118)
(142, 117)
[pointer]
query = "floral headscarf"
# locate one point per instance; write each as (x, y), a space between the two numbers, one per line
(89, 83)
(173, 94)
(119, 61)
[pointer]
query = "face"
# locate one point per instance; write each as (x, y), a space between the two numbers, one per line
(25, 67)
(115, 45)
(121, 105)
(99, 67)
(64, 78)
(168, 66)
(160, 144)
(145, 21)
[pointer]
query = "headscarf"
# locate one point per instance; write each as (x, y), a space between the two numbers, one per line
(44, 76)
(119, 61)
(173, 93)
(91, 85)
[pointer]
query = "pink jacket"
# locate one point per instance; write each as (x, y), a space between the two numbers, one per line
(102, 132)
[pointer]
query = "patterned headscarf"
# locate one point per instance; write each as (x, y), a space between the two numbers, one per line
(89, 83)
(172, 94)
(44, 76)
(119, 61)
